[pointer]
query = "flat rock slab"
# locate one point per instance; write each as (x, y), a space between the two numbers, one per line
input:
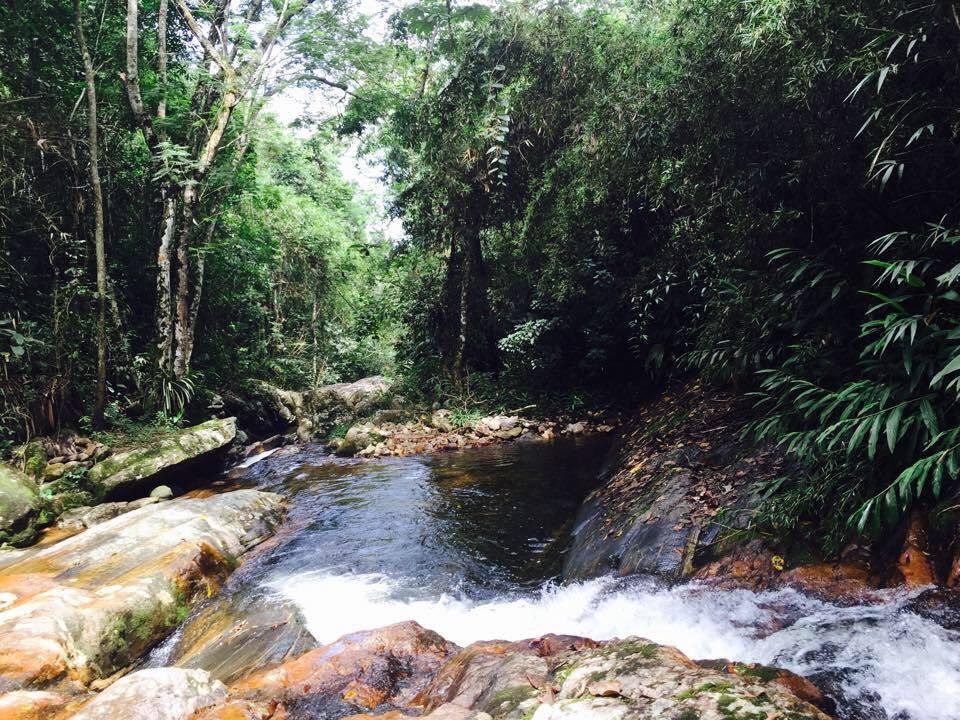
(156, 694)
(137, 465)
(88, 606)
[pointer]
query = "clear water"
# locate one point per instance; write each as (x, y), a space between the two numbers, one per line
(470, 544)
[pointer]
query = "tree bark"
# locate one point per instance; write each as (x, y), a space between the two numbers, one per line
(93, 150)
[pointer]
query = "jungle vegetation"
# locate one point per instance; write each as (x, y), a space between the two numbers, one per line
(596, 198)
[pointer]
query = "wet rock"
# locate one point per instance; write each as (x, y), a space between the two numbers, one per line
(19, 507)
(756, 567)
(139, 465)
(632, 679)
(374, 669)
(913, 563)
(796, 684)
(313, 413)
(91, 604)
(155, 694)
(678, 465)
(239, 634)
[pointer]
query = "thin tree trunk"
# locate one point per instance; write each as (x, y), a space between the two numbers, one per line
(93, 149)
(164, 288)
(460, 356)
(162, 57)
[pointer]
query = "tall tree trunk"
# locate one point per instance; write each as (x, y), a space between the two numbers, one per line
(93, 149)
(463, 328)
(164, 285)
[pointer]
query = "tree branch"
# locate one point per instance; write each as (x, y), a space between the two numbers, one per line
(208, 46)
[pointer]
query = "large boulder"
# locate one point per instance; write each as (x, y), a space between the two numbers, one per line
(679, 465)
(141, 465)
(155, 694)
(380, 668)
(19, 507)
(313, 413)
(405, 671)
(92, 604)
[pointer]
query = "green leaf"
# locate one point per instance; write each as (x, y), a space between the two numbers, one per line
(893, 427)
(950, 367)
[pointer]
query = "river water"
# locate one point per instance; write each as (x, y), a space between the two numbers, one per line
(470, 544)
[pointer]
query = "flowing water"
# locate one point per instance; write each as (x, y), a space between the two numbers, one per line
(470, 544)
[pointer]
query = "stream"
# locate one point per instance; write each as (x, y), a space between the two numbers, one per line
(471, 543)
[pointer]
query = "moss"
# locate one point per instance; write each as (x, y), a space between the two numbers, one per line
(561, 674)
(760, 672)
(714, 687)
(726, 703)
(505, 701)
(634, 647)
(135, 631)
(688, 714)
(34, 460)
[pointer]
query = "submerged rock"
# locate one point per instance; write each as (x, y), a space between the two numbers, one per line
(19, 507)
(140, 464)
(156, 694)
(90, 605)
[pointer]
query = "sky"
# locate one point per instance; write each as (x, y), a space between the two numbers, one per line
(296, 103)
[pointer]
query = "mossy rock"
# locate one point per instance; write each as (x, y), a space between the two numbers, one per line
(19, 507)
(133, 466)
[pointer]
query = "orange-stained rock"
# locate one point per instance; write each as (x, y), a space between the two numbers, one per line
(90, 605)
(365, 670)
(32, 705)
(913, 562)
(755, 568)
(835, 582)
(751, 566)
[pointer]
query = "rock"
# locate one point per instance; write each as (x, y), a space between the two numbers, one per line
(567, 677)
(83, 517)
(32, 705)
(155, 694)
(143, 502)
(93, 603)
(664, 485)
(913, 563)
(342, 447)
(796, 684)
(364, 435)
(441, 420)
(496, 424)
(56, 470)
(576, 428)
(162, 492)
(366, 670)
(19, 507)
(132, 467)
(34, 459)
(240, 633)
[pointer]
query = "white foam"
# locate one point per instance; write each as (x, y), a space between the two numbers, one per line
(911, 664)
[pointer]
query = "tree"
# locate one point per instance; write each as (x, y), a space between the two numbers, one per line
(93, 151)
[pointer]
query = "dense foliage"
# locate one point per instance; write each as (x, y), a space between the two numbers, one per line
(762, 191)
(596, 197)
(272, 259)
